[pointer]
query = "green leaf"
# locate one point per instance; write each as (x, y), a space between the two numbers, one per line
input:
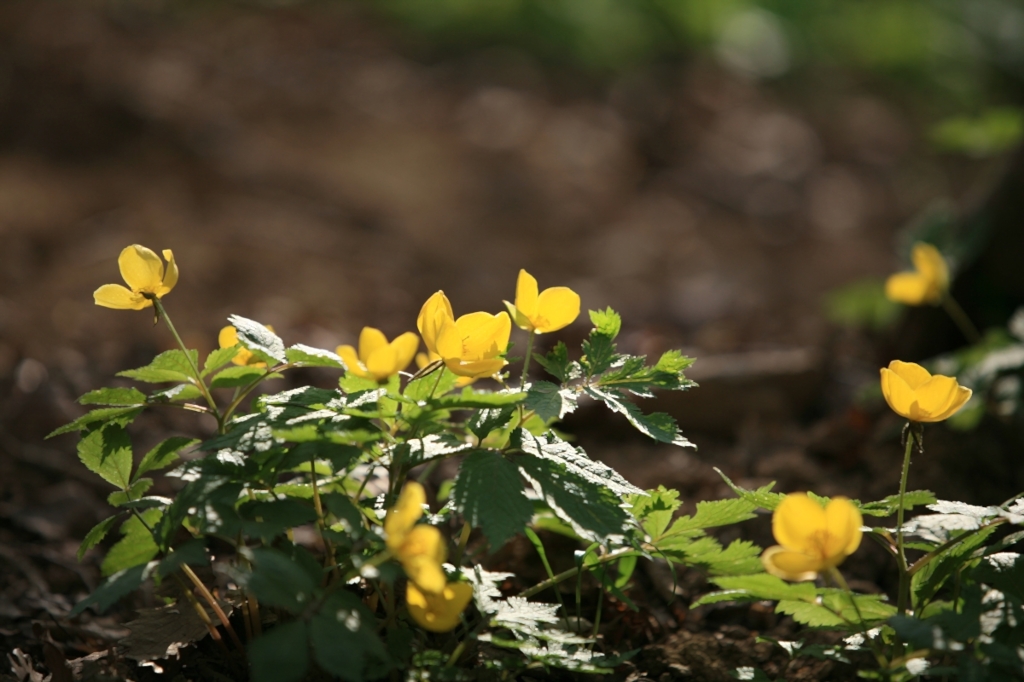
(763, 497)
(270, 518)
(137, 490)
(136, 547)
(926, 582)
(551, 447)
(238, 375)
(164, 455)
(489, 494)
(715, 513)
(108, 452)
(556, 362)
(113, 396)
(606, 322)
(118, 585)
(96, 535)
(179, 392)
(891, 504)
(263, 343)
(997, 130)
(654, 510)
(281, 655)
(218, 358)
(192, 553)
(598, 353)
(307, 356)
(741, 557)
(658, 425)
(486, 420)
(836, 610)
(756, 587)
(550, 401)
(343, 638)
(279, 581)
(171, 365)
(469, 399)
(593, 511)
(122, 416)
(436, 383)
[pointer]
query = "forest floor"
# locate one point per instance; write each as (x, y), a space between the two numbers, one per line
(311, 174)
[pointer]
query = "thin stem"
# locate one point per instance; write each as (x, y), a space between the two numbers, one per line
(321, 524)
(203, 615)
(205, 593)
(526, 359)
(162, 313)
(539, 546)
(600, 603)
(961, 319)
(841, 581)
(572, 572)
(460, 551)
(902, 597)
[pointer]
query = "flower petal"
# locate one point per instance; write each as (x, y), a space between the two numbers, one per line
(405, 349)
(483, 335)
(141, 268)
(432, 315)
(370, 340)
(929, 262)
(795, 522)
(520, 320)
(789, 565)
(118, 297)
(843, 522)
(441, 612)
(421, 555)
(526, 295)
(449, 341)
(351, 359)
(382, 363)
(909, 288)
(911, 372)
(936, 395)
(405, 513)
(227, 337)
(958, 400)
(477, 369)
(900, 397)
(170, 273)
(557, 308)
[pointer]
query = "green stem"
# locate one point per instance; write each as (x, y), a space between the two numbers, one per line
(961, 319)
(162, 313)
(841, 581)
(539, 546)
(321, 524)
(902, 597)
(460, 551)
(526, 359)
(923, 561)
(240, 394)
(572, 572)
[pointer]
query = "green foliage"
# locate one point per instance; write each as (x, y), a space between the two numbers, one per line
(489, 494)
(107, 451)
(169, 366)
(862, 304)
(113, 396)
(259, 340)
(996, 131)
(163, 455)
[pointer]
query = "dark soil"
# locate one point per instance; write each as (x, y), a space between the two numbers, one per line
(310, 174)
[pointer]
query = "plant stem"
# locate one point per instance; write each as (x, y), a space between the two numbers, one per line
(463, 541)
(902, 598)
(162, 313)
(205, 593)
(841, 581)
(526, 359)
(203, 615)
(961, 319)
(321, 525)
(572, 572)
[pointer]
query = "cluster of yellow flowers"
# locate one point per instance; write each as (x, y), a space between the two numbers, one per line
(433, 602)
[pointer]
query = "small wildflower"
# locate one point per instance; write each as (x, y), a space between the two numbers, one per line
(473, 345)
(435, 312)
(811, 538)
(145, 275)
(419, 548)
(915, 394)
(377, 358)
(438, 612)
(548, 311)
(928, 282)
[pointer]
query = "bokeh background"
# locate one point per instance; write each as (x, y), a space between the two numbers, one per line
(735, 177)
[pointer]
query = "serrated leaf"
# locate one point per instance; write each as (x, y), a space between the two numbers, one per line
(549, 401)
(171, 365)
(179, 392)
(606, 322)
(164, 455)
(740, 557)
(593, 511)
(763, 497)
(218, 358)
(556, 362)
(761, 586)
(488, 492)
(658, 425)
(281, 655)
(433, 384)
(598, 354)
(307, 356)
(260, 341)
(113, 396)
(135, 492)
(655, 509)
(238, 375)
(926, 582)
(136, 547)
(96, 535)
(711, 514)
(108, 452)
(891, 504)
(486, 420)
(121, 416)
(550, 447)
(115, 587)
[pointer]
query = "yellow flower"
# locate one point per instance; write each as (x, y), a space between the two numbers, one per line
(425, 359)
(472, 345)
(548, 311)
(144, 272)
(912, 392)
(926, 284)
(438, 612)
(419, 548)
(228, 337)
(377, 358)
(811, 538)
(434, 313)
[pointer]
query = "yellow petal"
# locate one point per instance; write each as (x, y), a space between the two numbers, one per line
(914, 374)
(382, 363)
(404, 515)
(557, 307)
(843, 522)
(351, 359)
(170, 273)
(526, 295)
(900, 397)
(370, 340)
(227, 337)
(422, 360)
(959, 400)
(932, 266)
(789, 565)
(476, 369)
(433, 314)
(449, 342)
(936, 395)
(421, 555)
(909, 288)
(141, 269)
(520, 320)
(483, 335)
(405, 349)
(118, 297)
(796, 521)
(438, 613)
